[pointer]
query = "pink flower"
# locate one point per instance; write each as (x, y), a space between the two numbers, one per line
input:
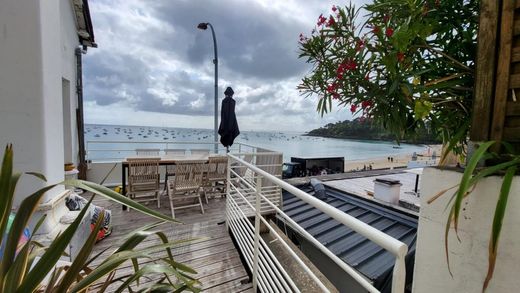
(335, 96)
(389, 32)
(400, 56)
(360, 44)
(386, 18)
(376, 29)
(353, 108)
(331, 88)
(321, 20)
(350, 64)
(334, 8)
(366, 104)
(331, 21)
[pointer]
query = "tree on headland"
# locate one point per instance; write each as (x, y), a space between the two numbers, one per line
(362, 128)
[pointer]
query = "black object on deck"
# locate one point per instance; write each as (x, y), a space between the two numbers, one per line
(228, 129)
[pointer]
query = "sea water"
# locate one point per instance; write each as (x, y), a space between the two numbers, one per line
(105, 142)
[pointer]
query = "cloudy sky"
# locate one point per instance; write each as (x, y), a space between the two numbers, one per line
(153, 66)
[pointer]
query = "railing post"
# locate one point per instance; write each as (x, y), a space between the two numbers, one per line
(228, 188)
(399, 273)
(257, 230)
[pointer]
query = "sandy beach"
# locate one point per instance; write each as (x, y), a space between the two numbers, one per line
(398, 161)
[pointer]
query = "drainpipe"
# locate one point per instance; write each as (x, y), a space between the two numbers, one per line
(82, 164)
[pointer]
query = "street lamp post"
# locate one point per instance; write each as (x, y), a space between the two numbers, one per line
(204, 26)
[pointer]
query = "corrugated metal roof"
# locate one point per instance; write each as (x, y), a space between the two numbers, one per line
(353, 248)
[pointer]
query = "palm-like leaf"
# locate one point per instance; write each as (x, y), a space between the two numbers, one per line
(19, 271)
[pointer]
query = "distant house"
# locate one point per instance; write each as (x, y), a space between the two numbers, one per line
(41, 43)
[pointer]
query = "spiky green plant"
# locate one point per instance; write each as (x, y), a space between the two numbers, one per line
(471, 177)
(26, 270)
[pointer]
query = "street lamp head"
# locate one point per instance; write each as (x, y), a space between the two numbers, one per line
(203, 26)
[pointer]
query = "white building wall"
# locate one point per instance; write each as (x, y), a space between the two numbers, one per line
(37, 42)
(69, 43)
(52, 106)
(21, 88)
(468, 258)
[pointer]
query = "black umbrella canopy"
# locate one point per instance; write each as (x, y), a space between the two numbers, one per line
(228, 129)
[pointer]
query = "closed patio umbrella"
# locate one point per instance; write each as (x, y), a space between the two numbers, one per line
(228, 129)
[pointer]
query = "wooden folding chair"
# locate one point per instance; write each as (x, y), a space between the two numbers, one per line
(170, 169)
(186, 185)
(200, 152)
(147, 152)
(175, 152)
(215, 181)
(143, 179)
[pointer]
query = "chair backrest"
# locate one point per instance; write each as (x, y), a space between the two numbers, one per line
(143, 169)
(270, 162)
(175, 152)
(241, 170)
(200, 152)
(147, 152)
(217, 167)
(188, 175)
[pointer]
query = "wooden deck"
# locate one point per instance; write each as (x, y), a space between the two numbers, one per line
(212, 255)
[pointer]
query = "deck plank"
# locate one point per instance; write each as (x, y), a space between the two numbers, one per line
(212, 255)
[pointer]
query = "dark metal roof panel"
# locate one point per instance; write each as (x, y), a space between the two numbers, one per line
(353, 248)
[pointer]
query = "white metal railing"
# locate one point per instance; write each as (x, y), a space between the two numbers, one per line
(104, 154)
(117, 150)
(247, 197)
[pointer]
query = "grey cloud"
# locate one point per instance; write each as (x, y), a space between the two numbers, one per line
(252, 40)
(257, 47)
(110, 78)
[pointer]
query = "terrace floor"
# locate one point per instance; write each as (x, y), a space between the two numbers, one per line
(214, 257)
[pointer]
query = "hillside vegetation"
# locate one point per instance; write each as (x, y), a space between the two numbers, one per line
(368, 130)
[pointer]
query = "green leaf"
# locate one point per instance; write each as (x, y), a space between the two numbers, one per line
(17, 270)
(6, 196)
(56, 273)
(146, 270)
(422, 109)
(182, 267)
(79, 262)
(498, 219)
(465, 181)
(52, 254)
(109, 193)
(115, 260)
(455, 139)
(37, 175)
(24, 214)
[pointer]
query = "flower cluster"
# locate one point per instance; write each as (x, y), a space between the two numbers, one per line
(349, 64)
(332, 90)
(303, 39)
(389, 32)
(321, 20)
(331, 22)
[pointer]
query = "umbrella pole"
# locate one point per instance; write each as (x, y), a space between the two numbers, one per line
(227, 149)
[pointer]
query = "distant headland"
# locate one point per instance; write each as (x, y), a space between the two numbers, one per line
(364, 129)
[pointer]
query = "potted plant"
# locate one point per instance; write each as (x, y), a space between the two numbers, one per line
(31, 267)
